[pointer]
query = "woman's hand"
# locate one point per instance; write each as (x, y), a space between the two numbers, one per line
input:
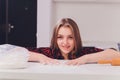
(77, 61)
(46, 60)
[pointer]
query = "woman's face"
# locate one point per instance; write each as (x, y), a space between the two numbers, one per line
(65, 40)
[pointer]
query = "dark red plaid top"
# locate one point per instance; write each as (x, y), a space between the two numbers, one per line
(57, 55)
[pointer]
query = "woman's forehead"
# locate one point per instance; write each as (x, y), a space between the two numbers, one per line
(65, 30)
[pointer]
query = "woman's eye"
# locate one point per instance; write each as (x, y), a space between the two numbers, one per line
(71, 37)
(59, 37)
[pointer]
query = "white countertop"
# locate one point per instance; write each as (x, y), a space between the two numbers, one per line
(37, 71)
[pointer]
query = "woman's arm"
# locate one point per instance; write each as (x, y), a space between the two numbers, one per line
(38, 57)
(107, 54)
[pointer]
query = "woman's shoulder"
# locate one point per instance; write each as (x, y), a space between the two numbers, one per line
(91, 49)
(43, 50)
(40, 49)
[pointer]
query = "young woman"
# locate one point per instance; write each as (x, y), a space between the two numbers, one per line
(66, 44)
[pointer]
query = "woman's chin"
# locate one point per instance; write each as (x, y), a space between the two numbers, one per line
(66, 52)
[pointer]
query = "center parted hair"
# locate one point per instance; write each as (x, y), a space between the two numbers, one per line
(67, 22)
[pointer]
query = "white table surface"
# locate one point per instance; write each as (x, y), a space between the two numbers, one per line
(36, 71)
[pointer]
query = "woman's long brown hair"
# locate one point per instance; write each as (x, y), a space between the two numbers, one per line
(67, 22)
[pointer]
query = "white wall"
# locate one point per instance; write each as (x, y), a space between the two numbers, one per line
(98, 20)
(43, 22)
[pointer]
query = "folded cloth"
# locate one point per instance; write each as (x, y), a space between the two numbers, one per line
(12, 56)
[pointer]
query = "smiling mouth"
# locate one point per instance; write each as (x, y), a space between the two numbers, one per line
(66, 48)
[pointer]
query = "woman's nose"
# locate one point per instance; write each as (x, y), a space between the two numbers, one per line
(65, 41)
